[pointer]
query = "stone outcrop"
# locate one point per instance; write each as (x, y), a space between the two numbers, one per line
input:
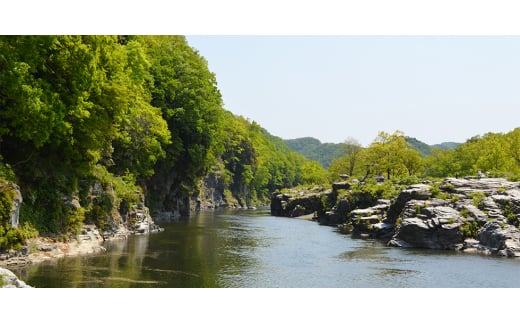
(297, 203)
(434, 228)
(140, 221)
(500, 239)
(415, 192)
(88, 241)
(121, 220)
(9, 280)
(474, 215)
(469, 214)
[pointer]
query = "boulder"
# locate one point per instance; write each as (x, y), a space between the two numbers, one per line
(434, 227)
(500, 239)
(9, 280)
(431, 234)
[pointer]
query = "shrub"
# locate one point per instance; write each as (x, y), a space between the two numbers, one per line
(470, 229)
(435, 189)
(511, 217)
(448, 187)
(464, 213)
(478, 198)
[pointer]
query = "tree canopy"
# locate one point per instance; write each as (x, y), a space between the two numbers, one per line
(131, 112)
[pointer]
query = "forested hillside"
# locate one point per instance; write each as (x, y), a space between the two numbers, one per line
(325, 153)
(89, 122)
(313, 149)
(426, 149)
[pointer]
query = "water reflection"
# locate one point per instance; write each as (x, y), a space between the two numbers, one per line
(253, 249)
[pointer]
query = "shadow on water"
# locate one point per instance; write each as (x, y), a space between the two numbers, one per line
(237, 248)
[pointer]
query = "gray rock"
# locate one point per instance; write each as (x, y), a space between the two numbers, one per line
(9, 280)
(499, 238)
(486, 185)
(418, 233)
(473, 212)
(434, 227)
(413, 192)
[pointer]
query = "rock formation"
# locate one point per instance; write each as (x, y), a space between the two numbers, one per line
(9, 280)
(471, 215)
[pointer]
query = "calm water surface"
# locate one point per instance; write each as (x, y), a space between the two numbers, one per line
(254, 249)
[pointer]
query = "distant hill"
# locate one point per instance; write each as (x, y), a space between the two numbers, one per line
(324, 153)
(426, 149)
(447, 145)
(313, 149)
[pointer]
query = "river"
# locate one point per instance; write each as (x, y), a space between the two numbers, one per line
(237, 248)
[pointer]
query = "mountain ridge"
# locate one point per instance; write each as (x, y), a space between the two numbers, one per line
(313, 149)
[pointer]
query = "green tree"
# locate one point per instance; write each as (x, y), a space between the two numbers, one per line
(186, 92)
(351, 148)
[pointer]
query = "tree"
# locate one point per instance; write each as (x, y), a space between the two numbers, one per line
(351, 148)
(313, 173)
(386, 153)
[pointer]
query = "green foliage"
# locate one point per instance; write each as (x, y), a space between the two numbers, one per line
(470, 229)
(448, 187)
(478, 198)
(366, 194)
(315, 150)
(496, 153)
(511, 217)
(6, 172)
(464, 213)
(313, 173)
(435, 189)
(423, 148)
(11, 237)
(255, 163)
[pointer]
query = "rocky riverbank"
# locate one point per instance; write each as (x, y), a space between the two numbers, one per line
(470, 215)
(123, 221)
(9, 280)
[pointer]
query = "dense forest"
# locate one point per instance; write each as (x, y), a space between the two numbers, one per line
(101, 120)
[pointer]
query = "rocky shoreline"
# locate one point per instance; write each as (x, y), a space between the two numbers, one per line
(37, 250)
(469, 214)
(136, 219)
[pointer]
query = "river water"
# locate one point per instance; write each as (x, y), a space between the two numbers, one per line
(237, 248)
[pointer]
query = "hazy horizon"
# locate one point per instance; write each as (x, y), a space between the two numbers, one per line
(433, 88)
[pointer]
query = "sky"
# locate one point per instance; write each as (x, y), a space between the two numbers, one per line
(363, 77)
(433, 88)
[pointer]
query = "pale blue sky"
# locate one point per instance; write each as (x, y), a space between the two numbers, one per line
(436, 89)
(444, 88)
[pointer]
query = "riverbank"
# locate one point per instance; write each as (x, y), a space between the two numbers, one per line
(41, 249)
(474, 215)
